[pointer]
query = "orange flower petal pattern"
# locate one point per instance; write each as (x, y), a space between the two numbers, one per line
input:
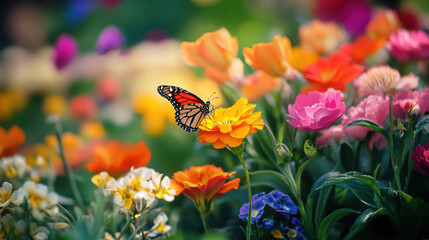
(11, 140)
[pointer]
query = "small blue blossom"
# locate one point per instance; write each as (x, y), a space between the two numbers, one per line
(258, 204)
(281, 202)
(267, 223)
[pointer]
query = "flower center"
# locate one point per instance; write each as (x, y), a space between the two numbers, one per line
(255, 213)
(35, 199)
(292, 233)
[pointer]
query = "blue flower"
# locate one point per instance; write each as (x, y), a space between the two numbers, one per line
(267, 223)
(296, 223)
(258, 204)
(281, 202)
(295, 231)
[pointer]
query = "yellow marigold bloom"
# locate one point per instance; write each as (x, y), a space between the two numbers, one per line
(231, 125)
(384, 23)
(302, 58)
(92, 130)
(321, 37)
(272, 58)
(54, 105)
(216, 52)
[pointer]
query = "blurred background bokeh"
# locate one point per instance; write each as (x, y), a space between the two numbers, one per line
(113, 96)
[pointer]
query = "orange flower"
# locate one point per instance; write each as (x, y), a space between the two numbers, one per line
(333, 72)
(116, 158)
(11, 140)
(92, 130)
(230, 126)
(54, 105)
(258, 84)
(321, 37)
(384, 23)
(362, 47)
(203, 184)
(216, 52)
(272, 58)
(302, 58)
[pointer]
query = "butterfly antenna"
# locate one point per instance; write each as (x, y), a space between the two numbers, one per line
(210, 98)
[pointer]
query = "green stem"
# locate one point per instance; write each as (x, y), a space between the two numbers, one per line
(396, 169)
(69, 173)
(249, 191)
(204, 216)
(127, 225)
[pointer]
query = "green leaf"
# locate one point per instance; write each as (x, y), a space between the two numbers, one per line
(421, 124)
(301, 170)
(363, 220)
(351, 176)
(362, 191)
(329, 221)
(369, 124)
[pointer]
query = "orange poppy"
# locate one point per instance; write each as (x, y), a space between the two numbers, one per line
(203, 184)
(216, 52)
(384, 23)
(332, 72)
(272, 58)
(362, 47)
(117, 158)
(11, 140)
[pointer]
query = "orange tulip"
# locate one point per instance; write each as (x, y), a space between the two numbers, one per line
(11, 140)
(333, 72)
(216, 52)
(203, 184)
(272, 58)
(116, 158)
(384, 23)
(362, 47)
(258, 84)
(321, 37)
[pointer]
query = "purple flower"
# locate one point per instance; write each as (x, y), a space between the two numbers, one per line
(267, 223)
(316, 110)
(409, 45)
(110, 39)
(281, 202)
(65, 51)
(258, 205)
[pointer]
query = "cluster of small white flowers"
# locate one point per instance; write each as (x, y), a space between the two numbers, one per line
(17, 166)
(137, 186)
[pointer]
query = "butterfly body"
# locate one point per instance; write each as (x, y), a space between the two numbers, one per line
(190, 109)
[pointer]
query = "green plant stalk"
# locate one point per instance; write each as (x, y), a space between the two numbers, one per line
(69, 172)
(308, 225)
(395, 164)
(204, 216)
(126, 226)
(249, 191)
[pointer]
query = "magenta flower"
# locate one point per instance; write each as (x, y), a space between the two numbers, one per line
(404, 101)
(378, 141)
(421, 158)
(110, 39)
(374, 108)
(316, 110)
(409, 45)
(65, 51)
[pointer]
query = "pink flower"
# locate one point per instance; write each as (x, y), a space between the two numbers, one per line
(65, 51)
(83, 106)
(374, 108)
(110, 39)
(316, 110)
(421, 158)
(384, 79)
(409, 45)
(331, 135)
(378, 141)
(108, 88)
(404, 101)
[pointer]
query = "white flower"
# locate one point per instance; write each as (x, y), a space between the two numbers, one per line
(13, 166)
(41, 201)
(161, 187)
(159, 225)
(38, 233)
(7, 197)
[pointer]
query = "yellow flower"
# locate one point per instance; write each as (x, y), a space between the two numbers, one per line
(230, 126)
(159, 226)
(54, 105)
(11, 101)
(124, 197)
(92, 130)
(13, 166)
(41, 201)
(272, 58)
(100, 180)
(321, 37)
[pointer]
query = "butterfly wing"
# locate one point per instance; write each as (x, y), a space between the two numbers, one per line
(190, 109)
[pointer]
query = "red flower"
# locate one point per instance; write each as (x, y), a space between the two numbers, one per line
(362, 47)
(332, 72)
(421, 158)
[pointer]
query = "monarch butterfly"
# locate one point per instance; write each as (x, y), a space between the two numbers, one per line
(190, 109)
